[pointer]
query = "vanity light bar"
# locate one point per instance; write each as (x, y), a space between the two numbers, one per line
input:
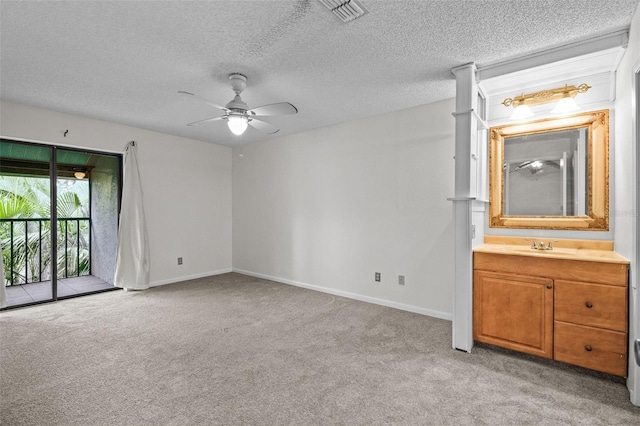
(546, 96)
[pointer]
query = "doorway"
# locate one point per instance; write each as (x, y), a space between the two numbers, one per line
(58, 221)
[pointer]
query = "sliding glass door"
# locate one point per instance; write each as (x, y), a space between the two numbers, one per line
(52, 253)
(88, 194)
(25, 221)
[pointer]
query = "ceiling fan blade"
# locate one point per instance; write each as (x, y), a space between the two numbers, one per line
(203, 100)
(281, 108)
(208, 120)
(263, 126)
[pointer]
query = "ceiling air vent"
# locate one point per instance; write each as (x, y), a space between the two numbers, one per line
(345, 10)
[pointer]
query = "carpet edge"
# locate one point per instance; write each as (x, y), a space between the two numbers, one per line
(349, 295)
(190, 277)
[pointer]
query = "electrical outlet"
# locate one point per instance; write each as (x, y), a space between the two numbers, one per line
(401, 279)
(179, 261)
(378, 276)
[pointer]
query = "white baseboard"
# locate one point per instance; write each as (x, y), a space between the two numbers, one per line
(349, 295)
(189, 277)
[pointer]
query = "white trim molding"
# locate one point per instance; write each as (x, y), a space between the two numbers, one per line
(613, 40)
(189, 277)
(349, 295)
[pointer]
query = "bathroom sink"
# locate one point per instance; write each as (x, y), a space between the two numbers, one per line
(558, 253)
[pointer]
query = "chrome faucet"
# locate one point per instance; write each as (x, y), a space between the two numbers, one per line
(541, 245)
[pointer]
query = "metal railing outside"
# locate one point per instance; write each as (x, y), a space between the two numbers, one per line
(27, 242)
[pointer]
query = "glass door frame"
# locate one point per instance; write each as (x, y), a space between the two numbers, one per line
(53, 213)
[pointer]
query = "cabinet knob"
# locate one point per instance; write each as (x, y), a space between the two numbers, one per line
(589, 305)
(588, 348)
(549, 286)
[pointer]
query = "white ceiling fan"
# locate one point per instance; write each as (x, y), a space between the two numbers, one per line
(238, 114)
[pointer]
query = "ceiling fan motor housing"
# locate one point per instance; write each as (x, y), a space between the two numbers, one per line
(237, 105)
(238, 82)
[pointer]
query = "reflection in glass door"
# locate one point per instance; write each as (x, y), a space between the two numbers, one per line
(63, 252)
(87, 220)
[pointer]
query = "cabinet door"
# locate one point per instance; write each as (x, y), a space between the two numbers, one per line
(514, 311)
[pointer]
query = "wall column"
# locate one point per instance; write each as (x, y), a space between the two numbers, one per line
(465, 193)
(633, 380)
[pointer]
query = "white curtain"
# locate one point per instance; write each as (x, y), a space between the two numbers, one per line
(3, 291)
(132, 258)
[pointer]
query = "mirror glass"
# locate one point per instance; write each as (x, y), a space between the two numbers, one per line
(545, 174)
(551, 174)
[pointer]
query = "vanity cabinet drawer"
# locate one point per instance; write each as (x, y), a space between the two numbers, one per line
(589, 304)
(589, 347)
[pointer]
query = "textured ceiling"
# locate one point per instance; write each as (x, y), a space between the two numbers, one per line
(125, 61)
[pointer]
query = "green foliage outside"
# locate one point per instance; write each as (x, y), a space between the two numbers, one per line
(29, 198)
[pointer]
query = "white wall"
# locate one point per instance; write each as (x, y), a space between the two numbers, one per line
(624, 209)
(186, 184)
(330, 207)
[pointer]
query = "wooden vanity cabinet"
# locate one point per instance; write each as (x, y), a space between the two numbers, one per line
(568, 310)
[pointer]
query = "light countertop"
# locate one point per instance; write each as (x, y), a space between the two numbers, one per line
(583, 250)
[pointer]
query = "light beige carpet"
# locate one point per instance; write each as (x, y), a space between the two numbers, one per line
(236, 350)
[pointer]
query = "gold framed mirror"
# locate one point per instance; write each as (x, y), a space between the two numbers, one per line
(551, 173)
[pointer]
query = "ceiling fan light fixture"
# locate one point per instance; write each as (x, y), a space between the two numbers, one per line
(237, 124)
(237, 112)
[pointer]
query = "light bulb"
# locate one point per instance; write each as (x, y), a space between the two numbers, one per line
(521, 112)
(79, 175)
(237, 124)
(565, 105)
